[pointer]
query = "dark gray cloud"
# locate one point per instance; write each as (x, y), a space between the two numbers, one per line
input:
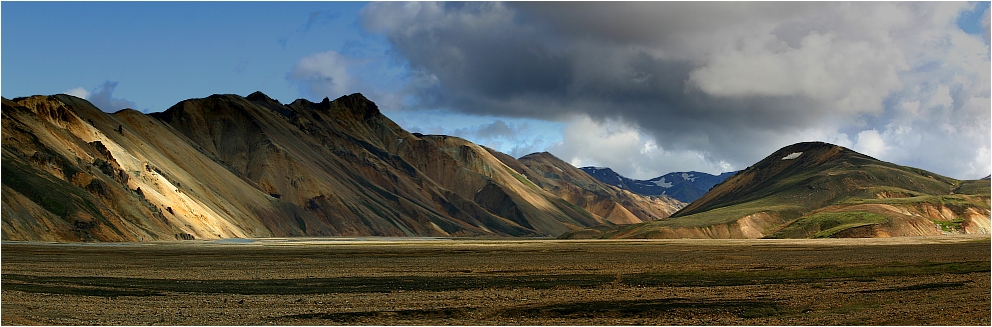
(718, 84)
(498, 128)
(103, 97)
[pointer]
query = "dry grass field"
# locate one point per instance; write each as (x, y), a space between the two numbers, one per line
(902, 281)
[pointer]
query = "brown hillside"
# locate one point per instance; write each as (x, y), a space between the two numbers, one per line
(232, 166)
(574, 185)
(817, 190)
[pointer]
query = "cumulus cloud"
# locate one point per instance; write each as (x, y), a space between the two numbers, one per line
(870, 142)
(610, 143)
(624, 148)
(78, 92)
(102, 97)
(323, 74)
(724, 82)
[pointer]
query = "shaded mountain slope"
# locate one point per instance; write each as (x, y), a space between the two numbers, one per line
(232, 166)
(572, 184)
(821, 190)
(682, 186)
(511, 183)
(349, 142)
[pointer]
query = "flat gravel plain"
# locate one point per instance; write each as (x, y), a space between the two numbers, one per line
(397, 281)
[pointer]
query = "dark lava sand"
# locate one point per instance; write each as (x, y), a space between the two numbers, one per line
(372, 281)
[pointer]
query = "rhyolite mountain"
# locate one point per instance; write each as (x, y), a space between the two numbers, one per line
(231, 166)
(814, 189)
(572, 184)
(682, 186)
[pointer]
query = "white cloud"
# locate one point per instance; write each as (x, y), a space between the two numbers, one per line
(323, 74)
(626, 149)
(78, 92)
(612, 144)
(870, 142)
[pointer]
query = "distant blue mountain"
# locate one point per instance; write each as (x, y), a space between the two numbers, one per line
(682, 186)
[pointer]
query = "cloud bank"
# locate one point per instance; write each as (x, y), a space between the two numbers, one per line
(514, 136)
(102, 97)
(722, 84)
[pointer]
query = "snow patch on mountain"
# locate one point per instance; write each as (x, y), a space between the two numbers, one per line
(662, 183)
(792, 156)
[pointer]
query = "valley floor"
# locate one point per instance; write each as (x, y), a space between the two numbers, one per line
(901, 281)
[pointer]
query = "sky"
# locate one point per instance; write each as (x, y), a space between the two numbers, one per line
(645, 88)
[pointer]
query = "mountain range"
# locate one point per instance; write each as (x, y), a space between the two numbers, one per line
(682, 186)
(816, 189)
(229, 166)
